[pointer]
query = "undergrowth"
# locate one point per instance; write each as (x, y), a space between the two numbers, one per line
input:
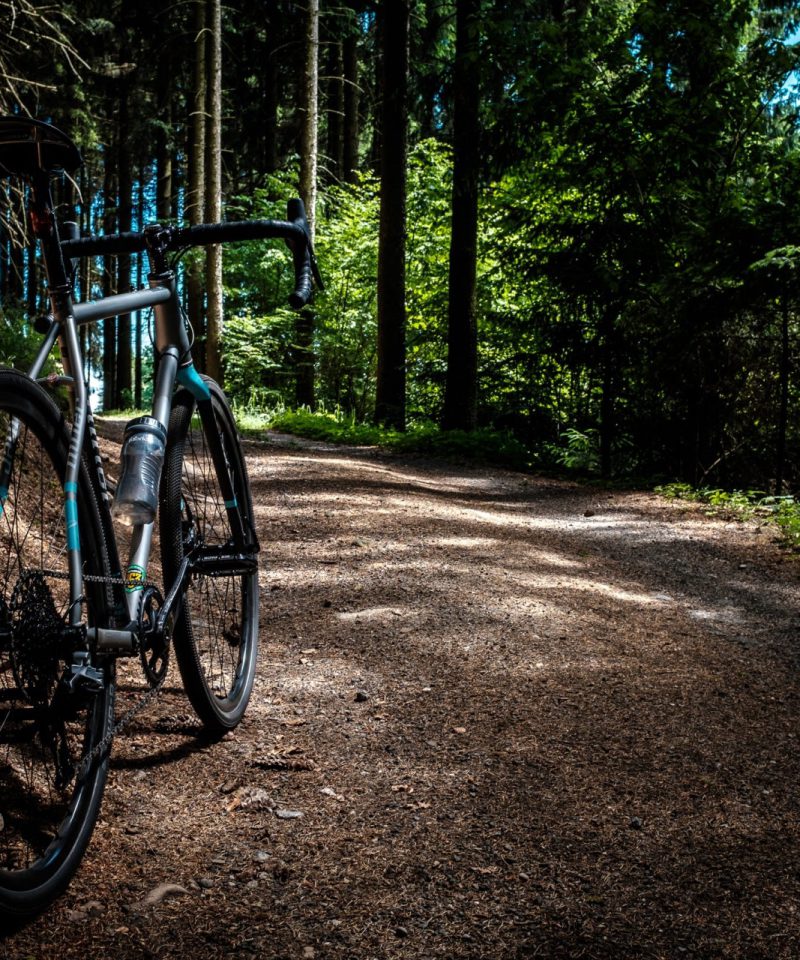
(500, 447)
(784, 511)
(484, 445)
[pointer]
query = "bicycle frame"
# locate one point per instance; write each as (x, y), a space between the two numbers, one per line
(32, 153)
(69, 610)
(175, 367)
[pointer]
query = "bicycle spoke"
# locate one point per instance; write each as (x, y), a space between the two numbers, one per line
(216, 636)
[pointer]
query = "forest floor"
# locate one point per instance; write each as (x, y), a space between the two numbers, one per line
(496, 716)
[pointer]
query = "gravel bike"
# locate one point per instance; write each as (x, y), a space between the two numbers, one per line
(68, 609)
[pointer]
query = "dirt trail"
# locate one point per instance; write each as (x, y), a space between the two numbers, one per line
(496, 717)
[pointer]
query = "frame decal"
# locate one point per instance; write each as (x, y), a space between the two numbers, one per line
(135, 578)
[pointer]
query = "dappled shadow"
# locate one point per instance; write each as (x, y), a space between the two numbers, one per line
(544, 720)
(645, 562)
(595, 719)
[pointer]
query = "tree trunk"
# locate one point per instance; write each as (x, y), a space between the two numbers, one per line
(214, 190)
(310, 114)
(108, 282)
(304, 324)
(195, 195)
(461, 386)
(164, 143)
(390, 398)
(32, 279)
(16, 285)
(334, 108)
(351, 100)
(783, 411)
(271, 93)
(125, 179)
(607, 361)
(85, 271)
(429, 80)
(137, 357)
(378, 83)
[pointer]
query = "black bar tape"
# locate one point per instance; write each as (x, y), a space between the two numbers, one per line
(301, 254)
(113, 243)
(206, 233)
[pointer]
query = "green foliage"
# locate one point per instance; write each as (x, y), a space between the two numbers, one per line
(581, 451)
(259, 327)
(421, 438)
(638, 266)
(346, 330)
(743, 505)
(259, 330)
(19, 343)
(786, 514)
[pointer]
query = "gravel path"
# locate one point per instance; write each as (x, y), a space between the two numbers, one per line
(496, 716)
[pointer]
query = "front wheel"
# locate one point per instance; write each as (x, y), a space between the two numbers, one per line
(216, 630)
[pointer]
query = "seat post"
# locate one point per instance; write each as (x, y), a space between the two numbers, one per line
(45, 229)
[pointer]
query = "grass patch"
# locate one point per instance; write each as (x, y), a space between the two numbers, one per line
(484, 445)
(784, 511)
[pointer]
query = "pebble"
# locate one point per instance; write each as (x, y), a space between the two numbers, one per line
(288, 814)
(205, 882)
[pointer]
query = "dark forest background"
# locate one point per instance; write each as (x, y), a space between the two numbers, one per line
(574, 220)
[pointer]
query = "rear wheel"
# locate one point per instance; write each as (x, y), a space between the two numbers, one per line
(216, 630)
(53, 761)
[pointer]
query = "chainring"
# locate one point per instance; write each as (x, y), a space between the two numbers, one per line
(153, 645)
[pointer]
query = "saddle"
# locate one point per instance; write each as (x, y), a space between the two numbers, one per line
(28, 147)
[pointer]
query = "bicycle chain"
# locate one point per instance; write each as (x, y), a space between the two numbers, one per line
(88, 577)
(124, 720)
(151, 695)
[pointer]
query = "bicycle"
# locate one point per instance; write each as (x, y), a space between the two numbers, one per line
(68, 611)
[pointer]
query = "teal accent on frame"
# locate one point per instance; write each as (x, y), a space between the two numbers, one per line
(230, 504)
(71, 487)
(71, 508)
(3, 498)
(188, 377)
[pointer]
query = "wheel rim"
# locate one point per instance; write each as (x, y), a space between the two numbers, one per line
(43, 734)
(219, 614)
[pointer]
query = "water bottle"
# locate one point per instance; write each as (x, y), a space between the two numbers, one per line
(142, 456)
